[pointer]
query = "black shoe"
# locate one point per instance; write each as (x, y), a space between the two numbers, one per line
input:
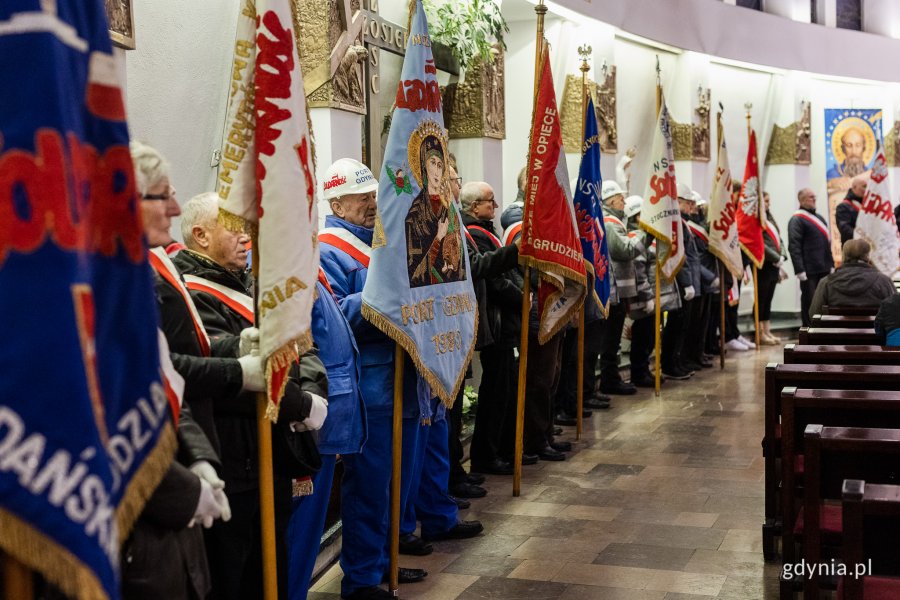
(407, 575)
(529, 459)
(550, 454)
(644, 381)
(498, 466)
(413, 545)
(619, 388)
(561, 446)
(705, 363)
(474, 478)
(564, 418)
(557, 431)
(461, 504)
(676, 373)
(461, 531)
(373, 592)
(598, 401)
(467, 490)
(689, 365)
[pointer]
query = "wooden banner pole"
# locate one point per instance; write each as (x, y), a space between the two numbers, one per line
(397, 453)
(721, 315)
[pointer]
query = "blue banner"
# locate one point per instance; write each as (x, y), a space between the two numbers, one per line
(85, 424)
(419, 290)
(588, 213)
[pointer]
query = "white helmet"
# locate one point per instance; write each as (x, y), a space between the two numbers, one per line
(685, 192)
(609, 189)
(348, 176)
(633, 205)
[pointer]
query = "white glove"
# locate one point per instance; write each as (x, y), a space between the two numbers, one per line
(206, 472)
(689, 293)
(318, 411)
(715, 283)
(249, 341)
(208, 509)
(253, 372)
(802, 276)
(780, 262)
(782, 275)
(651, 305)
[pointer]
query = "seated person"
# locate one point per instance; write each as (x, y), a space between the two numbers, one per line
(887, 321)
(856, 281)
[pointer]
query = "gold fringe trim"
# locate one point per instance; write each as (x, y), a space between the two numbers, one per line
(65, 570)
(388, 327)
(604, 308)
(661, 238)
(233, 222)
(282, 358)
(552, 267)
(409, 19)
(726, 262)
(37, 551)
(302, 487)
(543, 338)
(145, 480)
(758, 263)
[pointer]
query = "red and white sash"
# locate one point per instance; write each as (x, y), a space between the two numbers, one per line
(773, 233)
(166, 269)
(856, 205)
(511, 232)
(240, 303)
(806, 216)
(698, 231)
(494, 239)
(613, 219)
(343, 240)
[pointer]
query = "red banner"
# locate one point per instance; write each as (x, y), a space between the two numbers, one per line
(550, 241)
(751, 215)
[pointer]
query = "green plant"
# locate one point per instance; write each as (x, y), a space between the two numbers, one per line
(469, 399)
(468, 27)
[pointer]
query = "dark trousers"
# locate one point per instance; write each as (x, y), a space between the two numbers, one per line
(593, 340)
(731, 323)
(643, 340)
(807, 291)
(494, 399)
(567, 391)
(234, 549)
(677, 326)
(609, 346)
(507, 442)
(695, 339)
(454, 430)
(543, 377)
(766, 280)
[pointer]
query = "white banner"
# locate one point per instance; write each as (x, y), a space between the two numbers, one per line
(876, 223)
(724, 242)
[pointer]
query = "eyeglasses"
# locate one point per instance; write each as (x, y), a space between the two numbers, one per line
(458, 180)
(491, 200)
(169, 195)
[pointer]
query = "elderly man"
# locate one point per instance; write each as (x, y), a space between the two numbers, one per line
(214, 268)
(846, 212)
(809, 244)
(345, 249)
(855, 282)
(503, 296)
(622, 252)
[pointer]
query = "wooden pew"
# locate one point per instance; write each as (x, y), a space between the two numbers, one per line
(848, 321)
(795, 354)
(850, 310)
(832, 455)
(862, 501)
(780, 376)
(838, 335)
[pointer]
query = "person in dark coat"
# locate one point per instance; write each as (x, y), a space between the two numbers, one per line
(693, 355)
(809, 244)
(855, 282)
(848, 209)
(887, 321)
(217, 258)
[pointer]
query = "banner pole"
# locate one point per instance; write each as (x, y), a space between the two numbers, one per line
(520, 388)
(579, 407)
(266, 469)
(721, 315)
(17, 579)
(756, 306)
(657, 349)
(397, 452)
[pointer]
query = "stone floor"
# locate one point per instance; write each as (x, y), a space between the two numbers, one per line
(662, 499)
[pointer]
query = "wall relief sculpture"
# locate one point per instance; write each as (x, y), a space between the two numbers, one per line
(332, 52)
(892, 145)
(803, 152)
(700, 131)
(120, 15)
(790, 145)
(604, 96)
(475, 107)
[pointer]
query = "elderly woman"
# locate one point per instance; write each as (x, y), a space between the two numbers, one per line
(770, 275)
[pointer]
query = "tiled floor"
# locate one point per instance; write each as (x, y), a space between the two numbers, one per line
(662, 499)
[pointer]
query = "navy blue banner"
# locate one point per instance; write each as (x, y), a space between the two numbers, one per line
(85, 424)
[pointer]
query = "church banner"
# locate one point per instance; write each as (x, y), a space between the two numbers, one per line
(419, 287)
(550, 240)
(851, 139)
(589, 214)
(86, 416)
(723, 235)
(751, 214)
(267, 183)
(876, 223)
(660, 216)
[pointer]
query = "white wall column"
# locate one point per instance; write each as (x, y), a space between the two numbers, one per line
(881, 17)
(797, 10)
(338, 134)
